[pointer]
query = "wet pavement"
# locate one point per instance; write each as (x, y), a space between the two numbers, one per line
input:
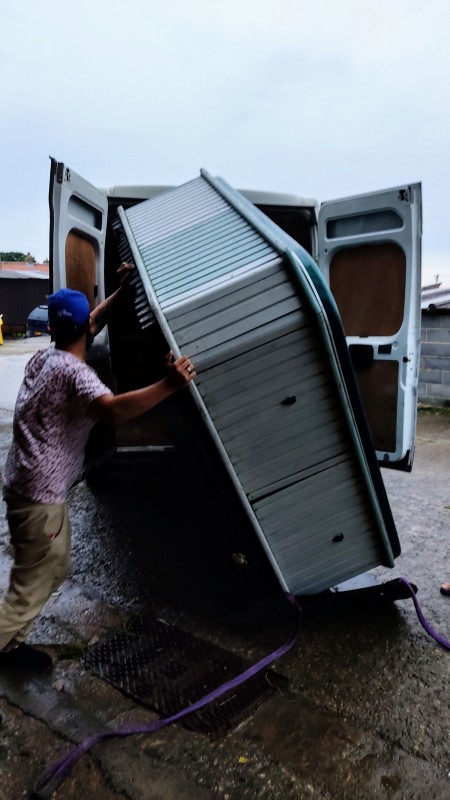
(363, 710)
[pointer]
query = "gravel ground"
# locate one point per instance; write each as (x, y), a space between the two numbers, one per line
(363, 710)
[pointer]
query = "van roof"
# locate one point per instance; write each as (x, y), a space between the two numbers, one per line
(143, 192)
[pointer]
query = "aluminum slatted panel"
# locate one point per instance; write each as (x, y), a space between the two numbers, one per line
(271, 445)
(211, 242)
(266, 384)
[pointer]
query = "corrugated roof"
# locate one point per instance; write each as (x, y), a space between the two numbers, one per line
(23, 274)
(18, 266)
(435, 298)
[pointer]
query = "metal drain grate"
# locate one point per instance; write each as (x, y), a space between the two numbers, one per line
(168, 669)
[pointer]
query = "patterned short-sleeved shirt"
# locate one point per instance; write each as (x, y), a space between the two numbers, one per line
(50, 426)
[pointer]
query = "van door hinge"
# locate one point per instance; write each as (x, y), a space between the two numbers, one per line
(59, 172)
(62, 173)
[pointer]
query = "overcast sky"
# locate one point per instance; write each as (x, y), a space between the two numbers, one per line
(323, 99)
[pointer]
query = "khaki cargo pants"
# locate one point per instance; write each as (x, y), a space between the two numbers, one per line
(40, 535)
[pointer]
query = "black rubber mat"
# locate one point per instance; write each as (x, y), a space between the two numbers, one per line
(167, 669)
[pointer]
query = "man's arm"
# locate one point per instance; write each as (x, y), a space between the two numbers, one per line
(99, 316)
(123, 407)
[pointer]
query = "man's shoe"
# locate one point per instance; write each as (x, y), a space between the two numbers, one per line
(25, 657)
(445, 589)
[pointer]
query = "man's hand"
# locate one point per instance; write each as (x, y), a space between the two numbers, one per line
(124, 272)
(180, 371)
(99, 316)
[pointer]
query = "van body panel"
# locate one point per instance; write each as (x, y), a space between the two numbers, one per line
(370, 256)
(78, 214)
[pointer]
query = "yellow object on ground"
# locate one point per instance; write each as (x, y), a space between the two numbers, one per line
(1, 323)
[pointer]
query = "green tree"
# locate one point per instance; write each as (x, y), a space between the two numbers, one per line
(14, 255)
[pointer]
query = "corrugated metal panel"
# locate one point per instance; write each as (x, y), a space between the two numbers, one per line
(435, 297)
(268, 385)
(12, 274)
(194, 242)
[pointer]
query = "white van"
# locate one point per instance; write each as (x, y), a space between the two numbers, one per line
(303, 324)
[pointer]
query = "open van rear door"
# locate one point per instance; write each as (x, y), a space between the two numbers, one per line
(370, 256)
(78, 217)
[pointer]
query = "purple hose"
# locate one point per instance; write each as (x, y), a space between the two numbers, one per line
(434, 634)
(49, 781)
(54, 775)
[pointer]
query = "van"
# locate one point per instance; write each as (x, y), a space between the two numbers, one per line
(37, 321)
(353, 317)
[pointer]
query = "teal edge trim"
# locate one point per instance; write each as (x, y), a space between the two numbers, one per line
(300, 262)
(353, 408)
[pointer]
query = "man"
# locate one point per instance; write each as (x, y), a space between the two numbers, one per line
(59, 401)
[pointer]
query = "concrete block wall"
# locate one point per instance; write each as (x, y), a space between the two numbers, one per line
(434, 374)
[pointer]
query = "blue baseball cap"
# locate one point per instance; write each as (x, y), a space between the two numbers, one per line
(67, 306)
